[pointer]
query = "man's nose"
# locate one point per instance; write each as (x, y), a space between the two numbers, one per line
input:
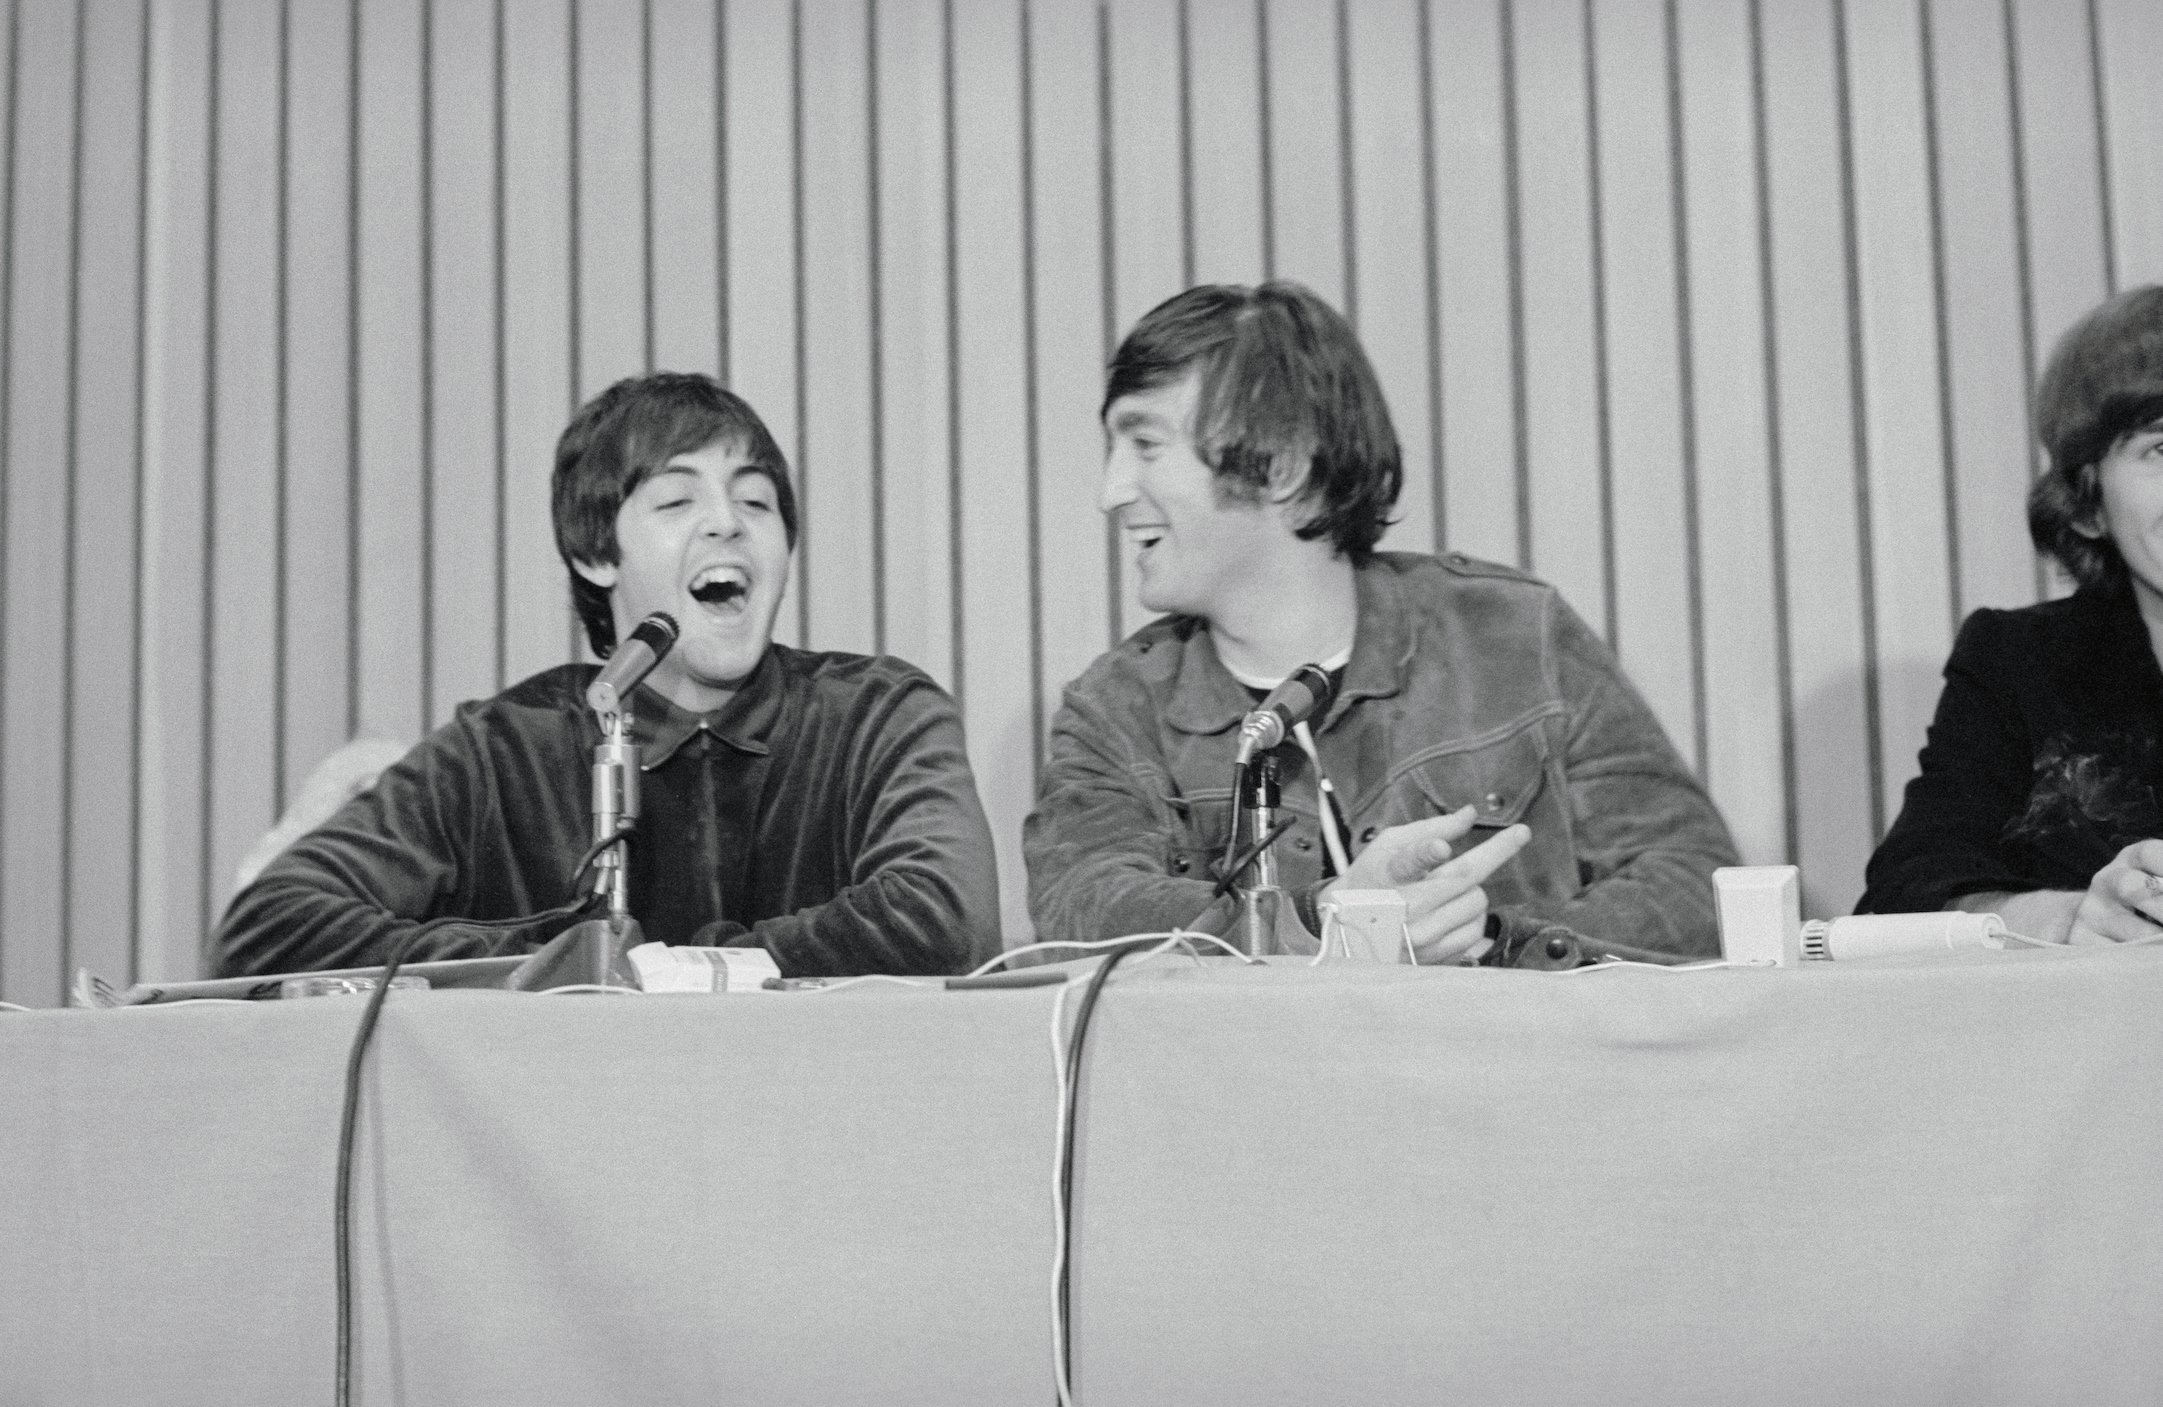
(720, 518)
(1118, 489)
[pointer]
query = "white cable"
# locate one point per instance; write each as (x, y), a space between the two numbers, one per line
(1324, 792)
(11, 1006)
(878, 977)
(1012, 953)
(583, 987)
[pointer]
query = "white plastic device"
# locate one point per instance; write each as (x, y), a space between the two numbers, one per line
(1760, 914)
(1885, 935)
(1365, 925)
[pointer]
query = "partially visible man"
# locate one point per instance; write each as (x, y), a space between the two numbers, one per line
(1253, 467)
(819, 805)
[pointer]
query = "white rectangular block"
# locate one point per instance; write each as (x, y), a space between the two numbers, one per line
(1760, 914)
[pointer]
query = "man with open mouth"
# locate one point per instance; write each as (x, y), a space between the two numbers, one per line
(1492, 763)
(817, 804)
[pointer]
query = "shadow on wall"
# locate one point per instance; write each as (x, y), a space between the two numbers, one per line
(1834, 784)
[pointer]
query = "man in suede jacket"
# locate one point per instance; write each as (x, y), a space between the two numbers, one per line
(1488, 758)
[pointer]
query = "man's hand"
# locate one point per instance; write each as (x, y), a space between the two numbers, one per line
(1445, 905)
(2124, 901)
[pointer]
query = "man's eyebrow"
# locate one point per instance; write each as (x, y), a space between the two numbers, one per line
(763, 471)
(1134, 418)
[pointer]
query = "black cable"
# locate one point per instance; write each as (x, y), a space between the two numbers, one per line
(593, 851)
(349, 1114)
(1231, 835)
(1066, 1162)
(347, 1118)
(1247, 857)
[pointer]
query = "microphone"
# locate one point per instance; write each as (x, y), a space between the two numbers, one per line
(1303, 696)
(634, 660)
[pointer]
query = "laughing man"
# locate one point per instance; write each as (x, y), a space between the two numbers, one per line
(1494, 765)
(819, 805)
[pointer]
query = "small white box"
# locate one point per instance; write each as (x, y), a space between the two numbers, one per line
(1760, 914)
(1368, 925)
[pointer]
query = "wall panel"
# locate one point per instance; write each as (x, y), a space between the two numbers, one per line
(1721, 314)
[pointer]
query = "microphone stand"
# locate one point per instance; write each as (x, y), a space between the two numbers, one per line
(595, 951)
(1254, 924)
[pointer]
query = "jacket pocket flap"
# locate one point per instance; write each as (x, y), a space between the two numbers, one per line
(1499, 779)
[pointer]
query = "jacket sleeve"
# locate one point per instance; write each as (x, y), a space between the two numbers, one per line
(1647, 836)
(389, 859)
(1977, 768)
(1099, 842)
(924, 884)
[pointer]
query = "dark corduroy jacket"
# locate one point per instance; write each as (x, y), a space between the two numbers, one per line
(1469, 683)
(2041, 764)
(827, 813)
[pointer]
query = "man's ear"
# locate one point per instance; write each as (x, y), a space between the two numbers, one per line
(601, 574)
(1288, 476)
(2091, 525)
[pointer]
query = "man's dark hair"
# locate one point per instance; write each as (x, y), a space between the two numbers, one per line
(616, 441)
(1283, 386)
(2104, 381)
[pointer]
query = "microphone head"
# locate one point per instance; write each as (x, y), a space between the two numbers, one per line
(658, 632)
(1317, 683)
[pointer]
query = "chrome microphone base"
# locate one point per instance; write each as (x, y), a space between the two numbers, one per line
(594, 953)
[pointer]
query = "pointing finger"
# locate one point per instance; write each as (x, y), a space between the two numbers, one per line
(1489, 855)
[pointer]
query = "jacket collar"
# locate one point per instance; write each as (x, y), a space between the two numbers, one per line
(745, 722)
(1207, 699)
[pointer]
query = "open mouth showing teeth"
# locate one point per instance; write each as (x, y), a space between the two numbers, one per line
(720, 586)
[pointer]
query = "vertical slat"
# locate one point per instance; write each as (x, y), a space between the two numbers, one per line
(837, 335)
(914, 374)
(1075, 616)
(1472, 134)
(1305, 138)
(1390, 247)
(174, 767)
(537, 370)
(244, 471)
(1224, 110)
(1653, 606)
(1986, 410)
(686, 226)
(1148, 231)
(40, 238)
(2063, 168)
(1562, 428)
(1904, 449)
(2129, 35)
(1828, 641)
(393, 476)
(462, 339)
(763, 168)
(106, 402)
(317, 449)
(994, 432)
(1745, 753)
(611, 211)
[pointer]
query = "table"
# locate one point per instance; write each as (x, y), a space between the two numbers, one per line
(1930, 1180)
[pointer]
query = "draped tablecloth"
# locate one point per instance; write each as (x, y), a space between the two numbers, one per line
(1902, 1181)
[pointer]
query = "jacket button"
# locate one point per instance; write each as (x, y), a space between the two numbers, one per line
(1179, 864)
(1302, 843)
(1492, 801)
(1367, 835)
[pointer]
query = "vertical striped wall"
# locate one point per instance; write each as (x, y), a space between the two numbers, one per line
(1717, 313)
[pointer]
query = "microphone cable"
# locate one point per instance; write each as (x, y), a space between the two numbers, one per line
(1082, 1013)
(349, 1112)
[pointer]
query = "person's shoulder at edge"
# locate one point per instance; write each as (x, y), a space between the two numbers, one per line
(2058, 631)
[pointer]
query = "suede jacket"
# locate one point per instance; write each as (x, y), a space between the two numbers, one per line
(1469, 683)
(827, 812)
